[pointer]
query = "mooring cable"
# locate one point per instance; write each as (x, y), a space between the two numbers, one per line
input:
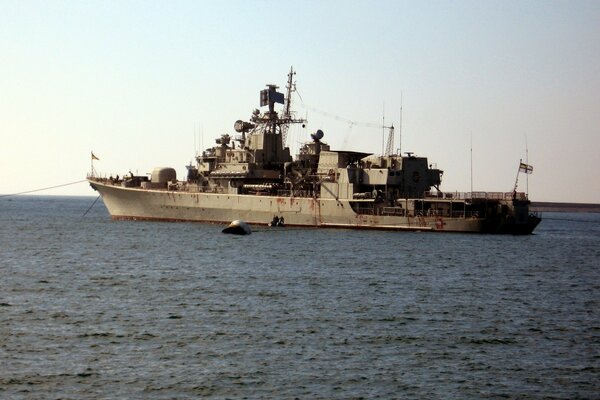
(90, 207)
(42, 189)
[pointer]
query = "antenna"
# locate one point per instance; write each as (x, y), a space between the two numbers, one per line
(471, 164)
(383, 130)
(350, 122)
(288, 104)
(288, 116)
(201, 132)
(400, 130)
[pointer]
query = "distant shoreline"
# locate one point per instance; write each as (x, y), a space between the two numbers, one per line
(541, 206)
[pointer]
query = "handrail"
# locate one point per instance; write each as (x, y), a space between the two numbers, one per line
(476, 195)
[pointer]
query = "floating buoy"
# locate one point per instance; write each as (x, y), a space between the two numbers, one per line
(238, 227)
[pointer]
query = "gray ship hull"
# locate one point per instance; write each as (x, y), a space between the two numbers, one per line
(162, 205)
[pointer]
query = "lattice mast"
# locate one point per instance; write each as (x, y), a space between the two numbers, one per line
(389, 148)
(288, 116)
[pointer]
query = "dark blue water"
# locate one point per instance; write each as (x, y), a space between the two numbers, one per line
(92, 308)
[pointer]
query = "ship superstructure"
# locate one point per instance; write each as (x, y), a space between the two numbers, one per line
(252, 177)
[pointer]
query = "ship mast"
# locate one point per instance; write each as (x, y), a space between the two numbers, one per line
(389, 148)
(286, 118)
(273, 127)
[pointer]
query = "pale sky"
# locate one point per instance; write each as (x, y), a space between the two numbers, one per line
(147, 83)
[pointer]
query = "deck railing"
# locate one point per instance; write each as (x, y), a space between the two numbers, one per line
(462, 196)
(476, 195)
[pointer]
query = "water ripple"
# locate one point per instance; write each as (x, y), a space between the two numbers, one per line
(91, 308)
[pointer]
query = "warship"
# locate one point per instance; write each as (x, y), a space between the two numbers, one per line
(251, 176)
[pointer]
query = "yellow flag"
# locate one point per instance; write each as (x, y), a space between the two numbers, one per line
(94, 157)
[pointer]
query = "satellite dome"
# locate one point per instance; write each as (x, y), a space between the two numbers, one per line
(318, 135)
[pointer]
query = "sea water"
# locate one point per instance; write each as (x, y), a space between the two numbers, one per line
(92, 308)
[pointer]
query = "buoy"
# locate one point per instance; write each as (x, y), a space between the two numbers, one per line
(238, 227)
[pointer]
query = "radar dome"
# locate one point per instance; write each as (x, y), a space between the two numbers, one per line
(317, 136)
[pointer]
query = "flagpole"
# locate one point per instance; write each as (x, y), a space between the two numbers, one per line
(517, 179)
(526, 162)
(93, 157)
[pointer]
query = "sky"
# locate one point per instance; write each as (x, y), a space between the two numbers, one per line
(472, 85)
